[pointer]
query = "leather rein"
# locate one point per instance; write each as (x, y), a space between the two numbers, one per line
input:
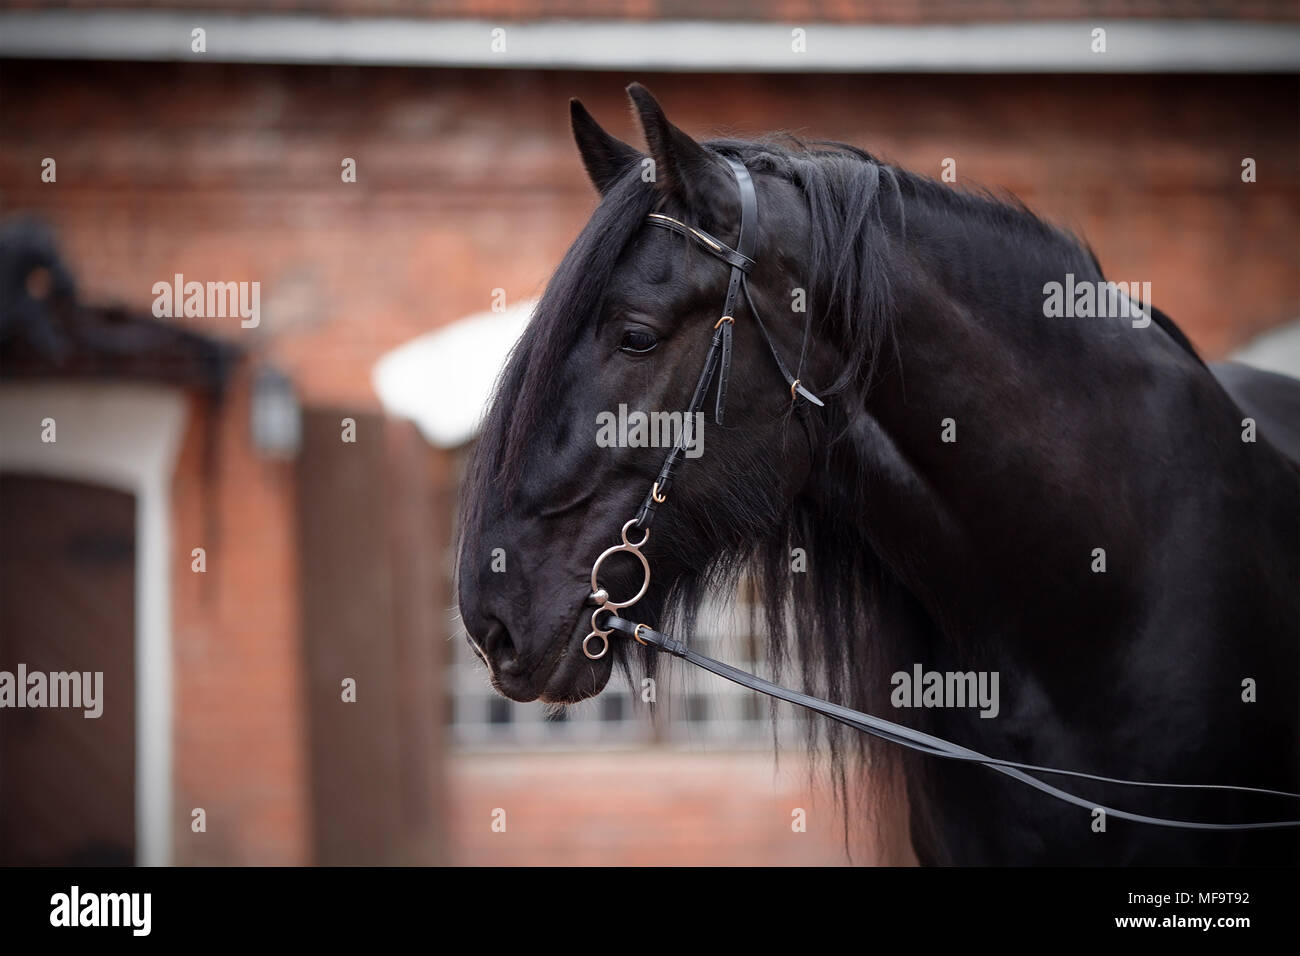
(717, 366)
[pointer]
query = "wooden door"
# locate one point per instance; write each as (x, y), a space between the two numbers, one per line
(67, 603)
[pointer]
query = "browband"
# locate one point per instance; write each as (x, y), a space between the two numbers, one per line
(720, 249)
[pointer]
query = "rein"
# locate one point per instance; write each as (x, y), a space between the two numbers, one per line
(938, 747)
(717, 365)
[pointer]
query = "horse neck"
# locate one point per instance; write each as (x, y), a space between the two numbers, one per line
(994, 449)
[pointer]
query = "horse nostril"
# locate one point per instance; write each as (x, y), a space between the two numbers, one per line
(496, 642)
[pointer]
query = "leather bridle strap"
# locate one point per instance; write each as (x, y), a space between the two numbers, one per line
(938, 747)
(740, 259)
(717, 362)
(731, 257)
(658, 493)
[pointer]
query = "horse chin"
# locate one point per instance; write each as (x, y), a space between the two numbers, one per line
(576, 677)
(572, 678)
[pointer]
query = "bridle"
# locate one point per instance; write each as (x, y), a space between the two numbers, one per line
(717, 365)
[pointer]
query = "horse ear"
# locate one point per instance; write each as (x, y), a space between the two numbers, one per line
(606, 157)
(683, 167)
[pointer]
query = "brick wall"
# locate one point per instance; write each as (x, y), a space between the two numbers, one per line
(239, 720)
(652, 808)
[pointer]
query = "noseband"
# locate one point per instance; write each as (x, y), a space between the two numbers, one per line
(717, 365)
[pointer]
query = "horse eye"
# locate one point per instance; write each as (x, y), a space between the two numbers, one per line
(637, 341)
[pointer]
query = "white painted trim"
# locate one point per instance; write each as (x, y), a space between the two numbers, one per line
(1134, 46)
(444, 380)
(1277, 350)
(123, 436)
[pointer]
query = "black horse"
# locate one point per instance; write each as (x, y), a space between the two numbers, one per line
(1078, 505)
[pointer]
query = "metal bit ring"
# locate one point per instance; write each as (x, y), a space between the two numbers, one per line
(600, 632)
(628, 546)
